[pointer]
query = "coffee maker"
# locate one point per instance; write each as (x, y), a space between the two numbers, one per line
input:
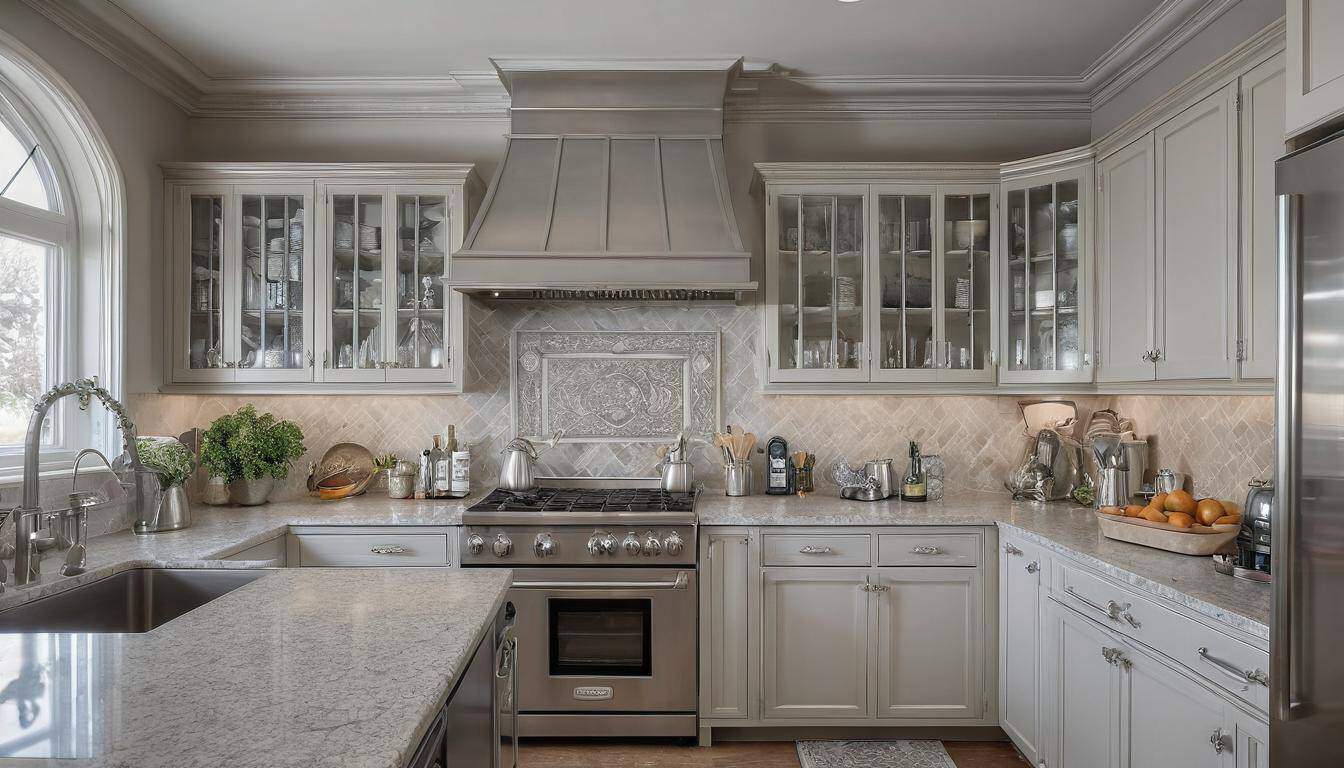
(1253, 560)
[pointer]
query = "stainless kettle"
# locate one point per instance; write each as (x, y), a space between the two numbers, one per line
(520, 457)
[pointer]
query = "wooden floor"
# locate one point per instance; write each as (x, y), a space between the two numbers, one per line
(761, 754)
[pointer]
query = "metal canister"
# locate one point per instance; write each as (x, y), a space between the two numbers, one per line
(401, 480)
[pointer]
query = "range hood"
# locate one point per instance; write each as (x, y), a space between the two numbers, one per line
(612, 186)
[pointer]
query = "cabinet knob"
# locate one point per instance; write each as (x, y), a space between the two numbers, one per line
(1033, 567)
(1219, 741)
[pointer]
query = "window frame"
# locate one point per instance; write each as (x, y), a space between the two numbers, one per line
(58, 230)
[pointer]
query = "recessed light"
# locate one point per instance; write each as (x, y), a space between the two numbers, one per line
(849, 1)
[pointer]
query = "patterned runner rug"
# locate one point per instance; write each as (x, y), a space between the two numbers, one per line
(874, 754)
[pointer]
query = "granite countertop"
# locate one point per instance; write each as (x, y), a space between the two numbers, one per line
(302, 667)
(1062, 527)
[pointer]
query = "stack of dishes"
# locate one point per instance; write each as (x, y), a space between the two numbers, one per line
(370, 238)
(343, 234)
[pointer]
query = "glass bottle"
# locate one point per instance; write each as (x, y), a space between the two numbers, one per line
(915, 486)
(435, 457)
(443, 466)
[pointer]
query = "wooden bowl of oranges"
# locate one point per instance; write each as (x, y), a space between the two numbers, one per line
(1176, 522)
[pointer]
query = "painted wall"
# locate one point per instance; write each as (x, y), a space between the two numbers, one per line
(142, 128)
(1235, 26)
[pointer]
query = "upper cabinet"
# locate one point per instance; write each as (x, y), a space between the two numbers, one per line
(1315, 70)
(294, 278)
(879, 274)
(1262, 93)
(1047, 278)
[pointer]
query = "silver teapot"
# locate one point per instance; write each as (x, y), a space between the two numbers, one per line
(520, 457)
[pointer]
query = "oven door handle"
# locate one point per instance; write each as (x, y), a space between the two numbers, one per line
(681, 582)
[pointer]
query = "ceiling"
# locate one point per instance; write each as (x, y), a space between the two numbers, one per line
(419, 38)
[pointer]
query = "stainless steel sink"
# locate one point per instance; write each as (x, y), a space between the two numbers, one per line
(137, 600)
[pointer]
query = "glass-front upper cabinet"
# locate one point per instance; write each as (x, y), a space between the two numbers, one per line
(239, 284)
(904, 283)
(965, 267)
(817, 284)
(391, 315)
(295, 277)
(1046, 312)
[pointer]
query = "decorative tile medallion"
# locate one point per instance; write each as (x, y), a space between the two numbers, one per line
(607, 386)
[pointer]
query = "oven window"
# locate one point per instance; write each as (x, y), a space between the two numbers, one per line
(601, 638)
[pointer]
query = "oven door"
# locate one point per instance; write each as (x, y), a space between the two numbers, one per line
(605, 639)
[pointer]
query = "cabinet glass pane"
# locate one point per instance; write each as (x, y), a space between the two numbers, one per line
(422, 247)
(356, 281)
(821, 281)
(207, 288)
(1044, 333)
(905, 271)
(272, 282)
(965, 278)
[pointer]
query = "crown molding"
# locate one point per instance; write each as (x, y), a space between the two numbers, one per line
(825, 173)
(761, 93)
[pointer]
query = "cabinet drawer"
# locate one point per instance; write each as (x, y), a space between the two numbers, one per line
(373, 550)
(955, 549)
(1224, 661)
(818, 549)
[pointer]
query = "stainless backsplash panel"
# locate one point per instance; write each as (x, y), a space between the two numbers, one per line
(1220, 441)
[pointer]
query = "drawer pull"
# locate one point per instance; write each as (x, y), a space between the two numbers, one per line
(925, 550)
(388, 549)
(1241, 676)
(811, 550)
(1112, 610)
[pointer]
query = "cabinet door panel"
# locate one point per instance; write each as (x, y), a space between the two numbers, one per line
(1196, 203)
(1125, 256)
(273, 275)
(963, 293)
(200, 251)
(929, 663)
(428, 312)
(1262, 94)
(1020, 621)
(353, 289)
(904, 283)
(1084, 690)
(815, 641)
(1167, 718)
(1315, 64)
(724, 619)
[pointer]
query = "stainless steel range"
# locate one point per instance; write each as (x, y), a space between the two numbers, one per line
(605, 587)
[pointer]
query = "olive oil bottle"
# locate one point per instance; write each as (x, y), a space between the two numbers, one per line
(915, 486)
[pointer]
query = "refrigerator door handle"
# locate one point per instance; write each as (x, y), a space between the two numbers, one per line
(1284, 701)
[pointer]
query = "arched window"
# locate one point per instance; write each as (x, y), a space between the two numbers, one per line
(62, 235)
(36, 238)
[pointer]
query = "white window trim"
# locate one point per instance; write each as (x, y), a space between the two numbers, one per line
(92, 217)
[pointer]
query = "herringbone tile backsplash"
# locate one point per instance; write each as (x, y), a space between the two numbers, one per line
(1221, 442)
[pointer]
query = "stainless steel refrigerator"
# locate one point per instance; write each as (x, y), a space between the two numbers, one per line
(1307, 547)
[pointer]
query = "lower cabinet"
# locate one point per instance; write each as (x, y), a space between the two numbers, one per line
(1022, 567)
(725, 573)
(1113, 703)
(929, 655)
(463, 734)
(360, 547)
(814, 660)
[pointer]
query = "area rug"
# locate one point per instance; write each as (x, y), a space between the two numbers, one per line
(901, 753)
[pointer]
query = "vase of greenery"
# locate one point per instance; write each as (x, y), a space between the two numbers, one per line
(250, 451)
(173, 463)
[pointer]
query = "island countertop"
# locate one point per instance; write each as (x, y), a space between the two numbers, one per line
(1062, 527)
(302, 667)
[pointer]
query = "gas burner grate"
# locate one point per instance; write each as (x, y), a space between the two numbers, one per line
(594, 500)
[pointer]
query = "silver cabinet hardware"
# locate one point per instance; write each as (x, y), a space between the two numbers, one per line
(881, 588)
(387, 549)
(814, 550)
(1241, 676)
(1010, 549)
(1087, 359)
(310, 358)
(1157, 355)
(925, 550)
(1033, 567)
(1111, 611)
(1110, 654)
(1220, 741)
(326, 359)
(1127, 616)
(682, 581)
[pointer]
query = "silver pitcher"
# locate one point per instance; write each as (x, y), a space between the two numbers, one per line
(883, 475)
(520, 458)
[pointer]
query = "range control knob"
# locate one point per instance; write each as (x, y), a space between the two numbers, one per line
(544, 545)
(475, 544)
(652, 546)
(502, 546)
(601, 543)
(631, 544)
(673, 544)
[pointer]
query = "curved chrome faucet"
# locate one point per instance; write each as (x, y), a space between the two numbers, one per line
(29, 514)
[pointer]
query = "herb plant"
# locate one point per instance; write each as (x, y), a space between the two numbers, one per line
(169, 459)
(245, 445)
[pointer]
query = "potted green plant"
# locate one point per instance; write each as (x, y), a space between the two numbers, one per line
(173, 463)
(250, 451)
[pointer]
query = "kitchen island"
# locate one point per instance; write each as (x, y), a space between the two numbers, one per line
(302, 667)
